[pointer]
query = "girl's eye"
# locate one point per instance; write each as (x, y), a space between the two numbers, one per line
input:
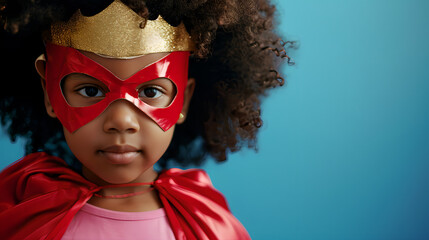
(157, 93)
(90, 91)
(150, 92)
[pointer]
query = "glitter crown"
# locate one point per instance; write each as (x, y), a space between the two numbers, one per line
(119, 32)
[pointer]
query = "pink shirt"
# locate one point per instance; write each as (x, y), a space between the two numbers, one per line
(95, 223)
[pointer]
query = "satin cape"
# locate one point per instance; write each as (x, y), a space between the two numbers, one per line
(40, 194)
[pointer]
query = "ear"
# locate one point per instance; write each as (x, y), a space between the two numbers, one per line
(40, 64)
(189, 91)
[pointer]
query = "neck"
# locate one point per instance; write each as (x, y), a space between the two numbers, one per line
(134, 202)
(149, 175)
(138, 203)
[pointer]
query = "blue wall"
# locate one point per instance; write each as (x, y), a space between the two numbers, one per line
(344, 151)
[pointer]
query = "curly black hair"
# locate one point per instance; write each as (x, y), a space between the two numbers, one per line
(237, 59)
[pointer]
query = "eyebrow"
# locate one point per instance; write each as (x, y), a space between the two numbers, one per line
(62, 82)
(82, 74)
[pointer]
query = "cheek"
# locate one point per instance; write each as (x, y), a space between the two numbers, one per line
(157, 142)
(80, 142)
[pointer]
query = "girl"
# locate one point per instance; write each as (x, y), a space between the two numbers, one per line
(117, 93)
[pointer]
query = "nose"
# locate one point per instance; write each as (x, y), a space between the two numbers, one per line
(121, 117)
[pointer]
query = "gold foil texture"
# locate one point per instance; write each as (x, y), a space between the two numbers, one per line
(115, 32)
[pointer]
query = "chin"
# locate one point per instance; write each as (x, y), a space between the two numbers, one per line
(115, 177)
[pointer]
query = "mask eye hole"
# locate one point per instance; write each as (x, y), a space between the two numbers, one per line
(80, 90)
(158, 93)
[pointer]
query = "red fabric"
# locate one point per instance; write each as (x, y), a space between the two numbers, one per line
(39, 195)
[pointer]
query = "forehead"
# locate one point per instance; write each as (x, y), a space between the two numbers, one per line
(125, 68)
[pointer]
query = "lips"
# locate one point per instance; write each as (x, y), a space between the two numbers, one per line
(120, 154)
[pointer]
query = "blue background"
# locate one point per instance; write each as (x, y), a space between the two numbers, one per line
(344, 150)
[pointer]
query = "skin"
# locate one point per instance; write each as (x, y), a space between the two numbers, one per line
(122, 131)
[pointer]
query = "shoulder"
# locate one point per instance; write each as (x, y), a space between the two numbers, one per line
(194, 206)
(30, 165)
(193, 175)
(34, 161)
(40, 193)
(38, 173)
(195, 182)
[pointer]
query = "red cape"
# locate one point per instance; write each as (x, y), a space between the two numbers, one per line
(40, 194)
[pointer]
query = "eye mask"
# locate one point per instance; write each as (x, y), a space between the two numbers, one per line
(62, 61)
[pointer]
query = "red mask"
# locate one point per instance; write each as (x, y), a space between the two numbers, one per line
(62, 61)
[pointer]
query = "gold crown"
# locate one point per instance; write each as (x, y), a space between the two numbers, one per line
(116, 32)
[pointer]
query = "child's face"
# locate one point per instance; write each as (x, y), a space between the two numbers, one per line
(122, 144)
